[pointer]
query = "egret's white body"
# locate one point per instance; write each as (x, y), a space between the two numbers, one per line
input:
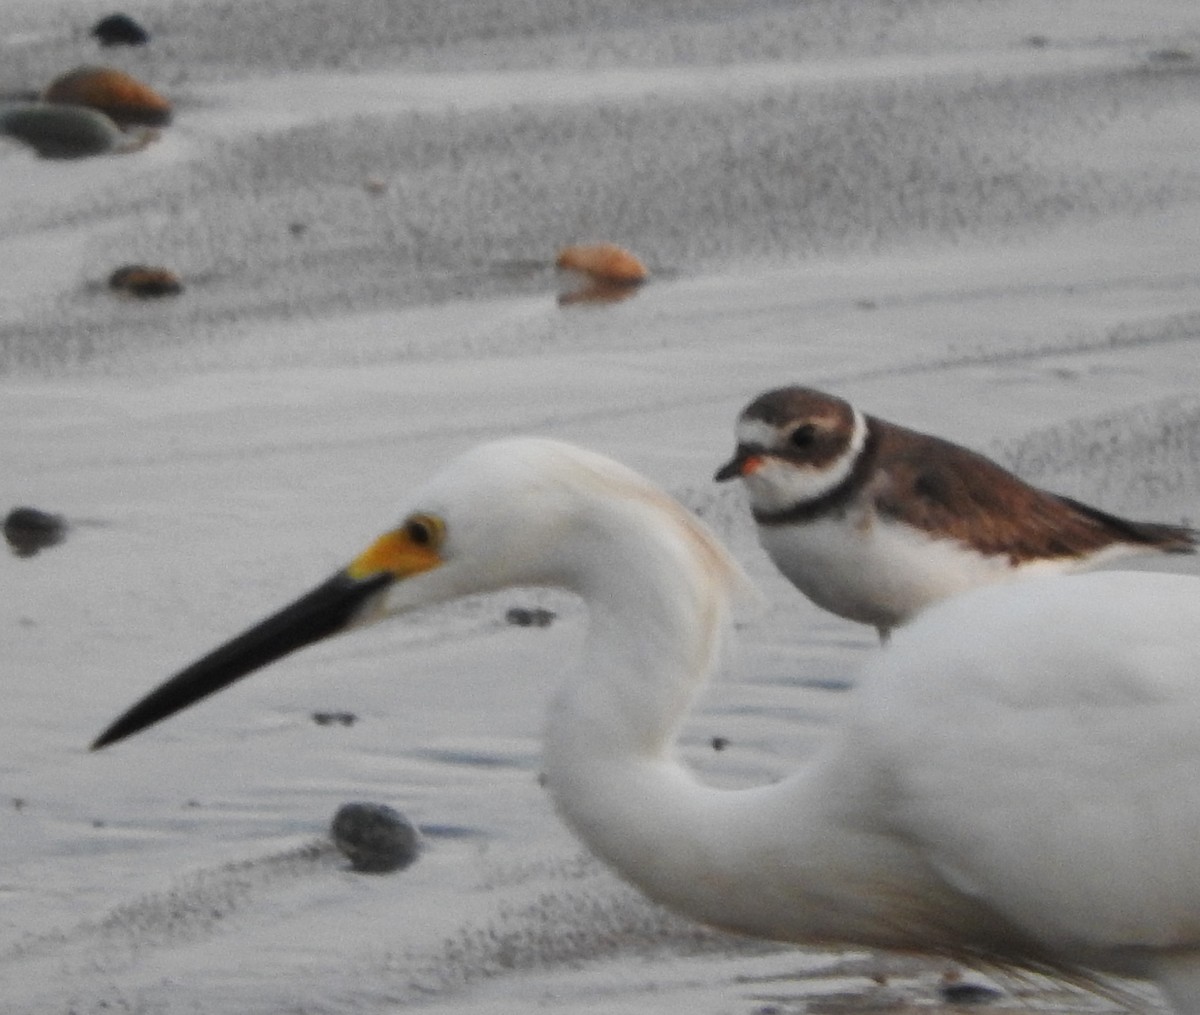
(1016, 779)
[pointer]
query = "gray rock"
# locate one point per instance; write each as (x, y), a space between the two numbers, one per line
(62, 131)
(29, 530)
(375, 838)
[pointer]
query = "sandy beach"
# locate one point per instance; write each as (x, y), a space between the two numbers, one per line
(977, 218)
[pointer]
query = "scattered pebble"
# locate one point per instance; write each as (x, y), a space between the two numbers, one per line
(522, 616)
(963, 992)
(720, 743)
(119, 30)
(122, 97)
(63, 131)
(611, 273)
(145, 281)
(604, 261)
(375, 838)
(29, 530)
(334, 718)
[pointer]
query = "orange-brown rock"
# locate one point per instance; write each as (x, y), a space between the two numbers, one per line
(119, 96)
(605, 262)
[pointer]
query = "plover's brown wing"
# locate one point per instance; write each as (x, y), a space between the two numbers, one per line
(1156, 535)
(951, 491)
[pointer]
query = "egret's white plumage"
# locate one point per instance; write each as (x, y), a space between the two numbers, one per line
(1016, 779)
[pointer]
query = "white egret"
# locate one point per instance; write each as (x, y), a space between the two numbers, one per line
(1015, 782)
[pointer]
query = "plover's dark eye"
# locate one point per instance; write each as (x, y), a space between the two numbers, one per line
(803, 436)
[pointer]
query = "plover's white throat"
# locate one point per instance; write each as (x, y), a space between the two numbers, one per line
(874, 522)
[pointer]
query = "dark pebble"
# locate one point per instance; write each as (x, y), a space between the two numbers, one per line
(61, 131)
(145, 281)
(334, 718)
(119, 30)
(375, 838)
(521, 616)
(29, 530)
(969, 993)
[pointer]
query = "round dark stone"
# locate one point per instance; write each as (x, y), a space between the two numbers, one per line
(120, 30)
(29, 530)
(375, 838)
(61, 131)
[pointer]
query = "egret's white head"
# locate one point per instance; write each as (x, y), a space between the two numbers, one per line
(517, 512)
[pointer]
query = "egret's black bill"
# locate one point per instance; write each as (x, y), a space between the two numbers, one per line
(327, 609)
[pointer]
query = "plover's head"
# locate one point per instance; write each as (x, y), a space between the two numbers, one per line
(795, 445)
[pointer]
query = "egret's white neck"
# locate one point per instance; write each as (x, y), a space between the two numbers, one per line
(658, 600)
(656, 614)
(785, 860)
(657, 610)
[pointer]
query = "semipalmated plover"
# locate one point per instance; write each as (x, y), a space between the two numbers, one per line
(874, 522)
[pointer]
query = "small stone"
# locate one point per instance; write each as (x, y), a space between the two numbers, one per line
(145, 281)
(375, 838)
(119, 30)
(62, 131)
(609, 273)
(605, 261)
(127, 101)
(522, 616)
(334, 718)
(720, 743)
(964, 992)
(29, 530)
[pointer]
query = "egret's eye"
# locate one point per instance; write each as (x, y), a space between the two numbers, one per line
(425, 530)
(803, 436)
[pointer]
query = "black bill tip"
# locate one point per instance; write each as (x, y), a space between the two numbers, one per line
(327, 609)
(732, 469)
